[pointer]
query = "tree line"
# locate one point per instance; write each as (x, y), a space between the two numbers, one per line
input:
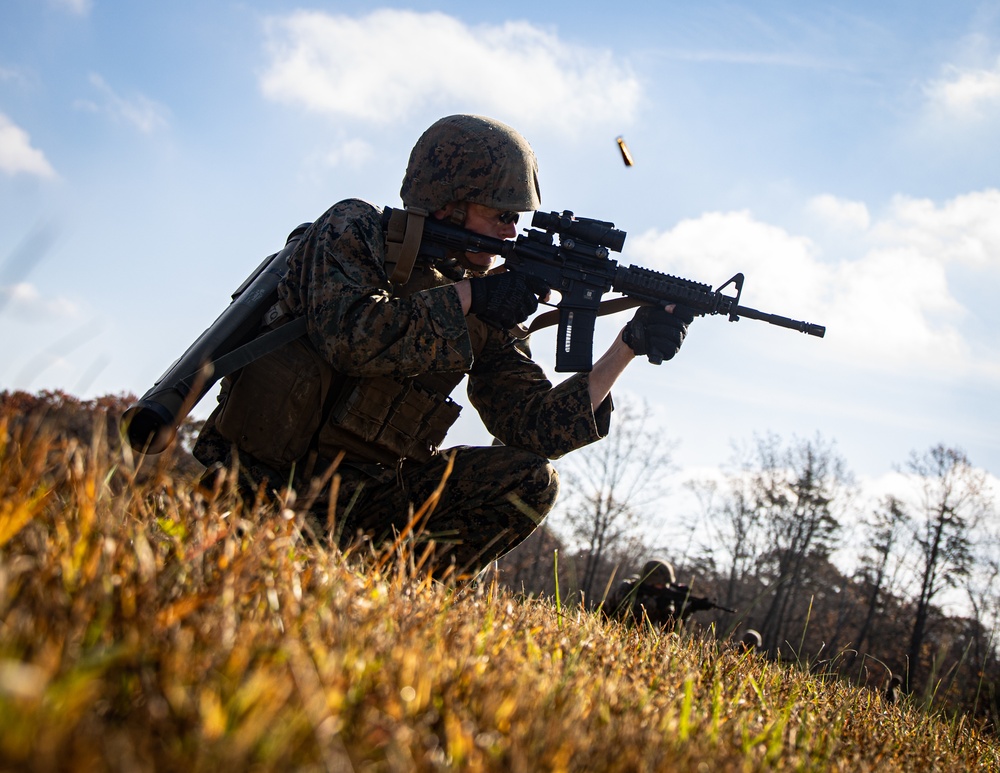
(906, 585)
(72, 419)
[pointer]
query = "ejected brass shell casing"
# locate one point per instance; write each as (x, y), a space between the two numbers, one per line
(626, 155)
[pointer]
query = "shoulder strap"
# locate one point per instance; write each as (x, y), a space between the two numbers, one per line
(255, 349)
(402, 238)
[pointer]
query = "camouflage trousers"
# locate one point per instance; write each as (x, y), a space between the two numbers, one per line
(492, 498)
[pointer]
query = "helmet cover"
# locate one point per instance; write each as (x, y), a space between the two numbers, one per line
(657, 572)
(471, 158)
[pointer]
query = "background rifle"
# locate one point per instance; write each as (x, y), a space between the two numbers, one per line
(662, 604)
(579, 267)
(684, 601)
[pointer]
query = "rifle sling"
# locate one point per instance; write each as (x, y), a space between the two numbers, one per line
(550, 318)
(243, 355)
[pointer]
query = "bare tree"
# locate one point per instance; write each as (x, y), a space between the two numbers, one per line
(734, 533)
(607, 488)
(884, 532)
(797, 492)
(982, 586)
(981, 590)
(953, 500)
(773, 528)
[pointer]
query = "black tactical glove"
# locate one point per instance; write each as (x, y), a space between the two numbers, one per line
(507, 298)
(657, 333)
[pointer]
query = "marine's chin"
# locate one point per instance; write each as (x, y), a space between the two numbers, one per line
(479, 261)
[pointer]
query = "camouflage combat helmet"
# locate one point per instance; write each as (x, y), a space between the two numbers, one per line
(471, 158)
(657, 572)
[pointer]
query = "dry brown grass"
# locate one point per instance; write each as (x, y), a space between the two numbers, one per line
(145, 628)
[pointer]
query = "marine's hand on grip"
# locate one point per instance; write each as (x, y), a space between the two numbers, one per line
(656, 332)
(507, 298)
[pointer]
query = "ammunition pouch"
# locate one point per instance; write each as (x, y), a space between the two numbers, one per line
(291, 401)
(387, 420)
(274, 405)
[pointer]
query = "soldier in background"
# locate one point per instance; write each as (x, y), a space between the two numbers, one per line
(655, 594)
(370, 384)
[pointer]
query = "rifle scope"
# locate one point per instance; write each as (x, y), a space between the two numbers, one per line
(584, 229)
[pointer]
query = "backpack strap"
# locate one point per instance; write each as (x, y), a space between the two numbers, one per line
(549, 318)
(254, 349)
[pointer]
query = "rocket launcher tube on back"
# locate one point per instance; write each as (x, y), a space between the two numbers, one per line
(151, 423)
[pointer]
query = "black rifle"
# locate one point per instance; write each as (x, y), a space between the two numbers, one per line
(684, 601)
(662, 604)
(580, 268)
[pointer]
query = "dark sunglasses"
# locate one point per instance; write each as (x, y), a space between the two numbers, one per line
(508, 217)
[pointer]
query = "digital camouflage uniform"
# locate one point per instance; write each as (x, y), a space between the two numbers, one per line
(384, 340)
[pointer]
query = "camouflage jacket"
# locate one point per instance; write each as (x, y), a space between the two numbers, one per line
(373, 332)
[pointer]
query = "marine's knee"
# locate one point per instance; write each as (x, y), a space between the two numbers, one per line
(539, 485)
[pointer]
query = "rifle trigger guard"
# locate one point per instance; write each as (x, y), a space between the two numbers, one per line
(737, 282)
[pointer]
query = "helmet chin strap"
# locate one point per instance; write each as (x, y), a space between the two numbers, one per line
(458, 216)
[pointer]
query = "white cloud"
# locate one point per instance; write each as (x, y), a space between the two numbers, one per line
(717, 245)
(78, 7)
(381, 67)
(840, 213)
(351, 153)
(21, 77)
(966, 92)
(24, 301)
(17, 154)
(964, 230)
(891, 307)
(141, 112)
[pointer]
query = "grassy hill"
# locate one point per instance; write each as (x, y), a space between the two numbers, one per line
(145, 627)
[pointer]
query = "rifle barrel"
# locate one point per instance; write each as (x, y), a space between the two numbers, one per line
(808, 328)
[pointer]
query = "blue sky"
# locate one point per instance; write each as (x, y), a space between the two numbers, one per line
(842, 156)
